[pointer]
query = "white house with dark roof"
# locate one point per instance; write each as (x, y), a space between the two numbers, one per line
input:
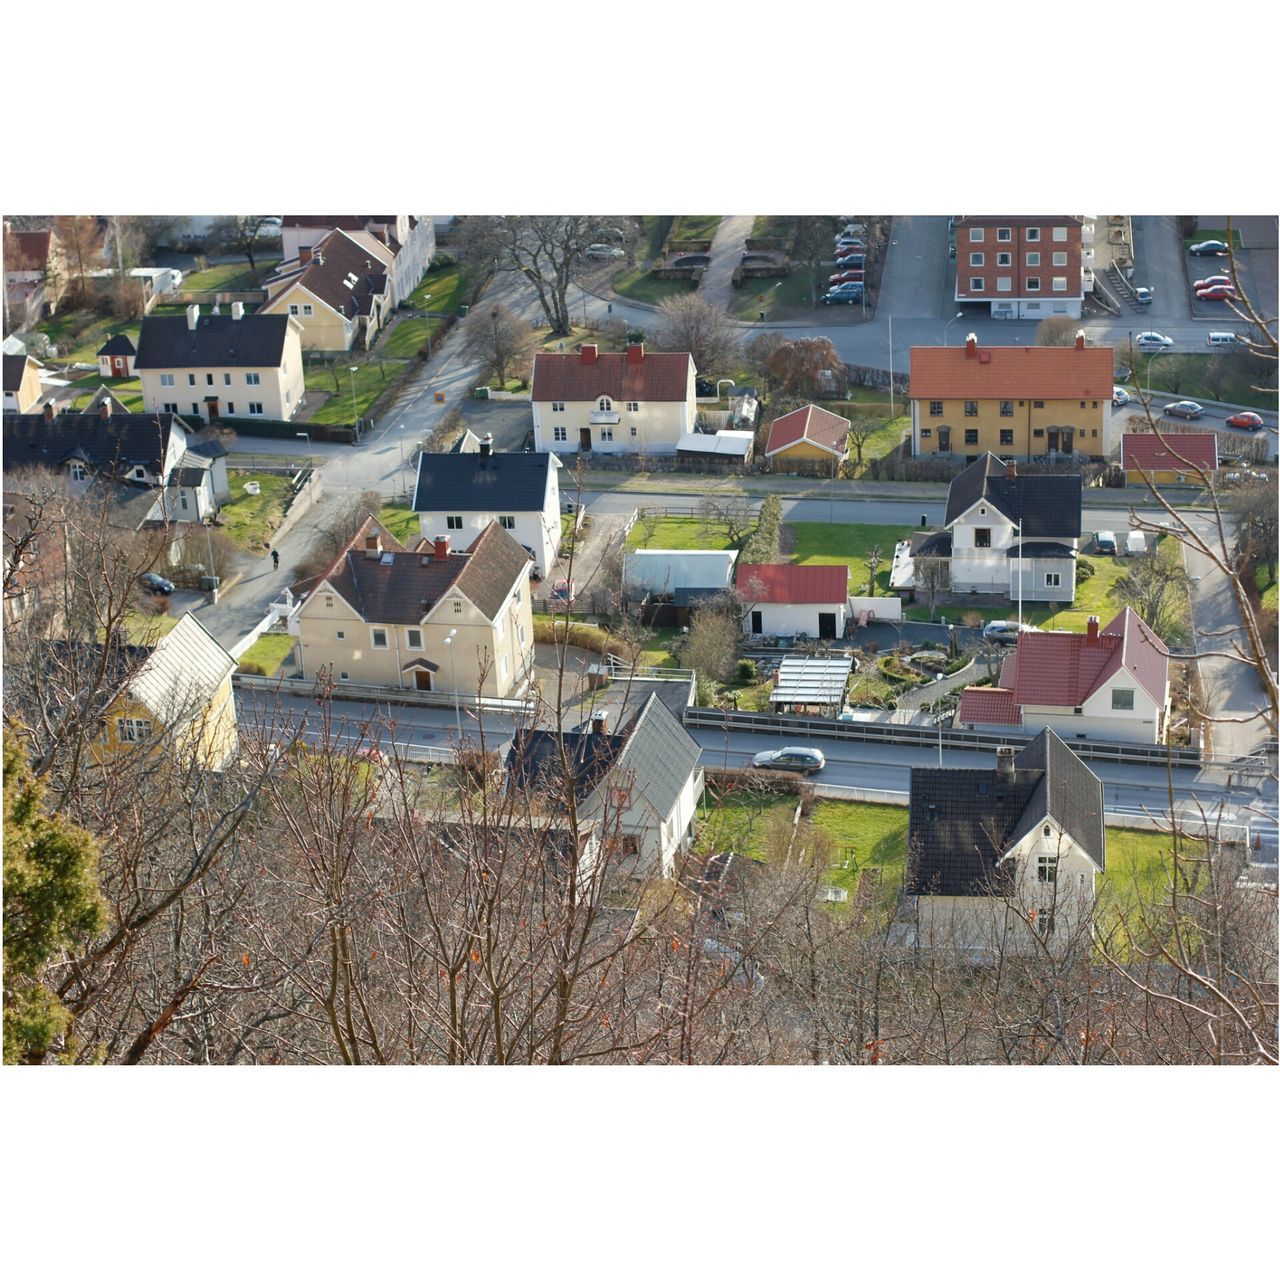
(211, 367)
(409, 238)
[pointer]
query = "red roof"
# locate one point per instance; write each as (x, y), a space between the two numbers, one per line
(1011, 373)
(633, 375)
(812, 423)
(30, 250)
(988, 706)
(794, 583)
(1193, 450)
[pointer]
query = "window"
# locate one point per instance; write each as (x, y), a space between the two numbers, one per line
(342, 635)
(970, 408)
(1059, 259)
(519, 595)
(559, 433)
(307, 309)
(977, 259)
(342, 675)
(1004, 259)
(1033, 259)
(606, 433)
(288, 397)
(522, 633)
(208, 379)
(1006, 408)
(379, 637)
(328, 602)
(1006, 435)
(1059, 233)
(500, 626)
(971, 435)
(1059, 284)
(926, 433)
(255, 408)
(975, 235)
(195, 408)
(976, 284)
(293, 308)
(166, 379)
(1037, 404)
(182, 501)
(191, 379)
(1095, 405)
(506, 666)
(1004, 233)
(635, 431)
(457, 606)
(77, 471)
(413, 638)
(944, 439)
(453, 522)
(226, 379)
(1038, 433)
(130, 730)
(507, 522)
(935, 408)
(1033, 233)
(982, 537)
(1121, 699)
(231, 408)
(1047, 866)
(604, 404)
(1004, 285)
(633, 406)
(1033, 284)
(1053, 579)
(557, 406)
(253, 379)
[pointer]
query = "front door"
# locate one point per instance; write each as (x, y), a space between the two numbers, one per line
(826, 626)
(119, 366)
(211, 407)
(584, 439)
(1053, 439)
(422, 679)
(757, 622)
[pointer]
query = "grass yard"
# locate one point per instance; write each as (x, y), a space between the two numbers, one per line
(657, 653)
(369, 384)
(147, 628)
(742, 819)
(446, 284)
(638, 285)
(884, 439)
(679, 533)
(82, 347)
(251, 520)
(1270, 594)
(851, 544)
(701, 226)
(267, 652)
(410, 336)
(1193, 377)
(401, 522)
(772, 224)
(229, 276)
(127, 390)
(783, 299)
(866, 835)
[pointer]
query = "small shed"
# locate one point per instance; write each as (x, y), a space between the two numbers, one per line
(728, 447)
(116, 357)
(810, 686)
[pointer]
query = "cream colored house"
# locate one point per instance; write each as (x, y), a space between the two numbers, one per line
(634, 402)
(21, 383)
(221, 366)
(430, 619)
(409, 238)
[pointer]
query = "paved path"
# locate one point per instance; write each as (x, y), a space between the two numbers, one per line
(726, 256)
(924, 694)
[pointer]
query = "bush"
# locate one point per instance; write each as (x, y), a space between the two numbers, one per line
(746, 671)
(1084, 570)
(251, 669)
(706, 692)
(579, 634)
(762, 545)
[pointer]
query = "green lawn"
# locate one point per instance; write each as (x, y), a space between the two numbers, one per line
(851, 544)
(127, 390)
(267, 652)
(679, 533)
(866, 835)
(446, 285)
(230, 277)
(83, 346)
(410, 336)
(770, 224)
(252, 520)
(695, 226)
(147, 628)
(783, 299)
(401, 522)
(1270, 594)
(884, 439)
(1193, 369)
(1213, 233)
(742, 819)
(369, 385)
(640, 286)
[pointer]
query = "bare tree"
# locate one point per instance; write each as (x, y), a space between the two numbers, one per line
(730, 512)
(798, 363)
(873, 564)
(81, 239)
(687, 323)
(496, 339)
(814, 239)
(1257, 524)
(711, 647)
(1056, 331)
(933, 574)
(240, 233)
(860, 431)
(1155, 588)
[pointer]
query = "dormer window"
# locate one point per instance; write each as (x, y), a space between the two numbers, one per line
(604, 404)
(77, 471)
(139, 473)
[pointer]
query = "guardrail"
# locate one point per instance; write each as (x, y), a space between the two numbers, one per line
(913, 736)
(385, 693)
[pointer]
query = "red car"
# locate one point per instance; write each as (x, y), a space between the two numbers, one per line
(1209, 281)
(845, 277)
(1216, 293)
(1249, 421)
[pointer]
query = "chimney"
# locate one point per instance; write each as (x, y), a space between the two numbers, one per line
(1092, 632)
(1004, 763)
(599, 722)
(1011, 470)
(486, 445)
(318, 257)
(373, 546)
(1079, 339)
(304, 255)
(635, 354)
(588, 353)
(442, 548)
(104, 409)
(237, 310)
(48, 412)
(971, 346)
(193, 315)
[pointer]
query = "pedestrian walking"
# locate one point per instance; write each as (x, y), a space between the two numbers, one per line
(275, 558)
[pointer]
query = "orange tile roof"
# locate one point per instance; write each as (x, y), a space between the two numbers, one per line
(1011, 373)
(1141, 449)
(988, 706)
(812, 424)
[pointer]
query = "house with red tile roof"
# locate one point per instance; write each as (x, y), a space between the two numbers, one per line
(811, 436)
(1110, 683)
(1188, 457)
(1023, 268)
(635, 401)
(794, 599)
(35, 274)
(1050, 403)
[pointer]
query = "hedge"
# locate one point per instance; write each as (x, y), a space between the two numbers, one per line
(580, 634)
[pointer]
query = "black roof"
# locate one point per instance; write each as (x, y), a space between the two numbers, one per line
(1042, 551)
(963, 820)
(109, 445)
(252, 342)
(120, 345)
(1048, 506)
(503, 483)
(15, 366)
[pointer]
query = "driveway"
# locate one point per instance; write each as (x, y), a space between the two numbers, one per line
(1158, 264)
(726, 255)
(915, 279)
(604, 532)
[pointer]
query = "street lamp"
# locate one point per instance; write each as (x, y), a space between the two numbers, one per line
(453, 675)
(355, 422)
(426, 297)
(304, 435)
(959, 315)
(402, 446)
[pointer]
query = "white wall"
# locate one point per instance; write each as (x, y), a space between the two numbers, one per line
(886, 608)
(790, 619)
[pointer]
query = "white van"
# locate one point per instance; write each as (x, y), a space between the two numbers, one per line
(1136, 543)
(1223, 339)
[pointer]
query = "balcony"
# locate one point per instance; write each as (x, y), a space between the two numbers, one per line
(605, 417)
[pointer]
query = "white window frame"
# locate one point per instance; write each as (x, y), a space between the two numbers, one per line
(507, 522)
(1033, 284)
(606, 435)
(1059, 234)
(977, 284)
(342, 635)
(1033, 234)
(255, 408)
(976, 235)
(1116, 693)
(308, 309)
(1004, 235)
(1059, 284)
(633, 406)
(453, 523)
(557, 406)
(413, 638)
(1033, 258)
(1059, 259)
(604, 404)
(1004, 258)
(253, 379)
(559, 434)
(166, 379)
(1052, 579)
(1004, 284)
(374, 633)
(977, 259)
(133, 729)
(77, 471)
(457, 606)
(500, 625)
(1047, 868)
(294, 309)
(506, 666)
(191, 379)
(226, 379)
(169, 406)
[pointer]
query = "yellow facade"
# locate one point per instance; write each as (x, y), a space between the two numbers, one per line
(1021, 428)
(323, 329)
(806, 449)
(208, 731)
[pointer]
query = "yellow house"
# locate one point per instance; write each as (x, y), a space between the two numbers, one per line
(180, 701)
(811, 435)
(431, 619)
(21, 383)
(1189, 457)
(1051, 403)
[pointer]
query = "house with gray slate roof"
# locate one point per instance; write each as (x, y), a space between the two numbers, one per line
(638, 785)
(1003, 859)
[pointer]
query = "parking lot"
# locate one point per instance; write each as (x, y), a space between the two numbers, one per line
(1256, 265)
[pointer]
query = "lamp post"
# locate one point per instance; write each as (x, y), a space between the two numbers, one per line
(1018, 526)
(959, 315)
(355, 422)
(401, 437)
(453, 675)
(426, 297)
(304, 435)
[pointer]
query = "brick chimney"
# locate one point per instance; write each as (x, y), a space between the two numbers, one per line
(971, 347)
(1091, 633)
(599, 722)
(104, 410)
(237, 310)
(373, 546)
(588, 353)
(1011, 470)
(304, 255)
(635, 354)
(48, 412)
(1079, 339)
(1004, 763)
(193, 315)
(442, 548)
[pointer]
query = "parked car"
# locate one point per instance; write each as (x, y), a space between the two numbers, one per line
(1216, 293)
(836, 296)
(1248, 420)
(796, 759)
(1142, 295)
(847, 286)
(157, 585)
(1184, 409)
(603, 251)
(847, 244)
(564, 591)
(852, 260)
(1104, 542)
(1006, 631)
(1205, 248)
(1150, 340)
(847, 277)
(1209, 281)
(1119, 396)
